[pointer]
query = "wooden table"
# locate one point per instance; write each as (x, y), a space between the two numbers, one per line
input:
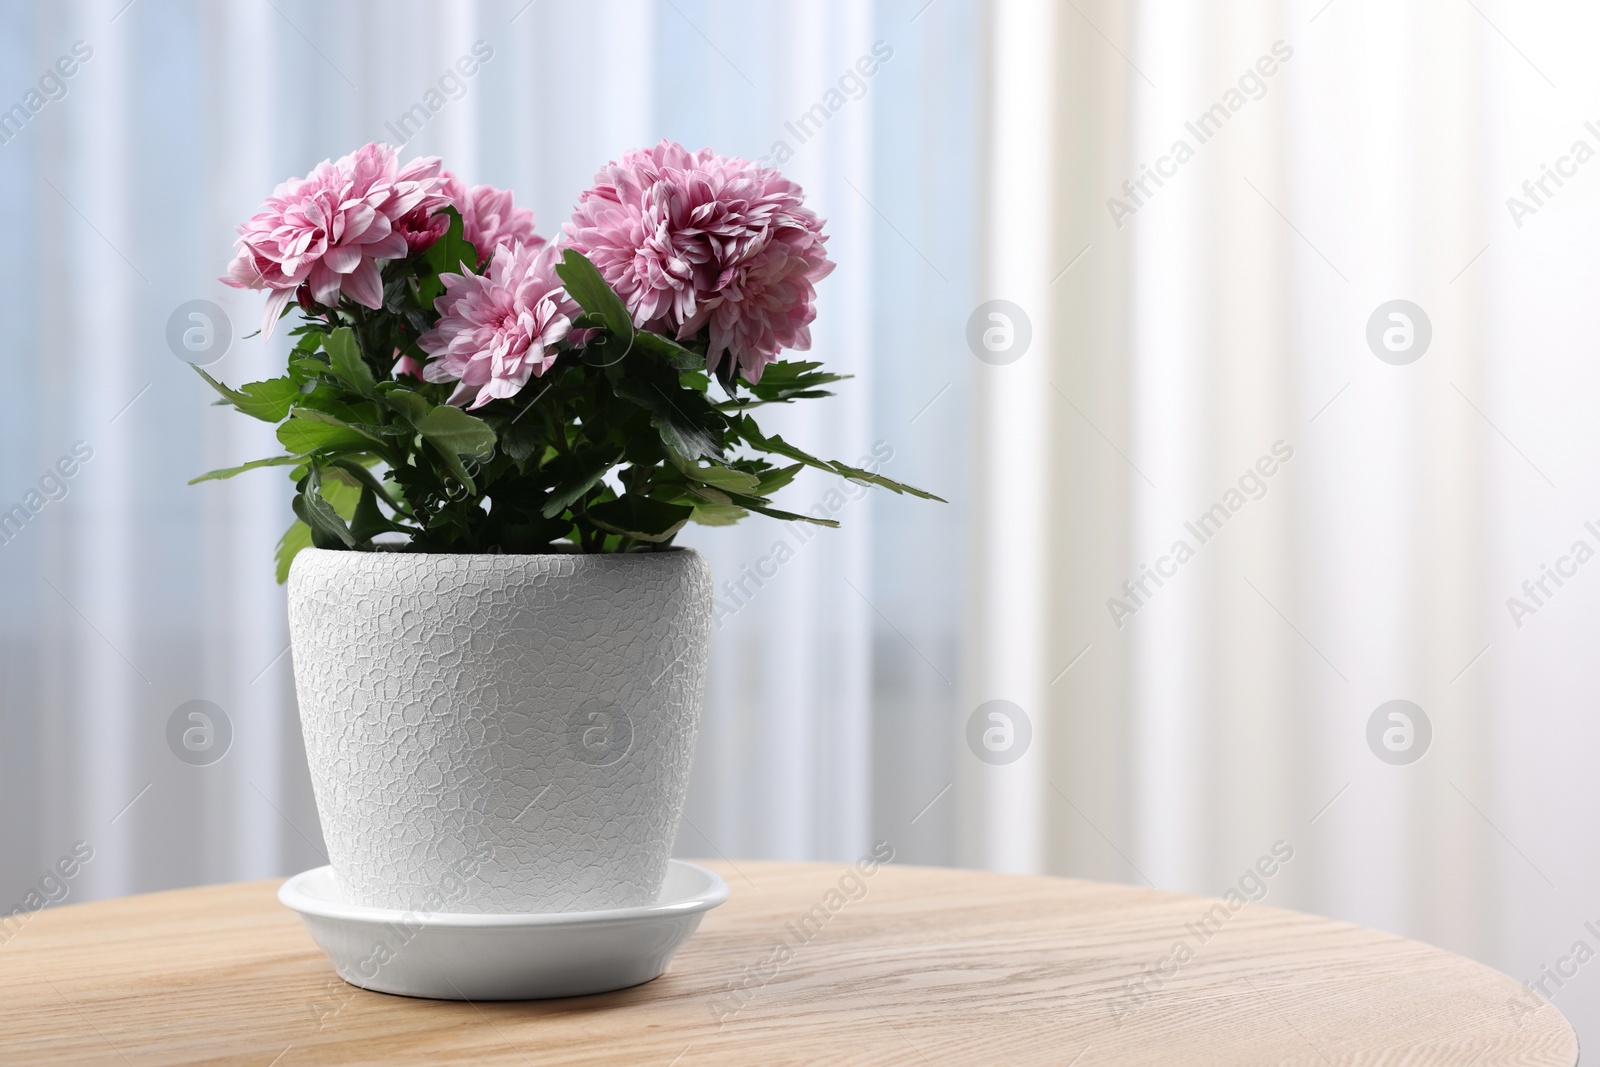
(910, 965)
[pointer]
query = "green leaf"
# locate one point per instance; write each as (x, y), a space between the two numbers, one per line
(344, 354)
(315, 431)
(782, 381)
(747, 430)
(334, 474)
(314, 510)
(680, 357)
(683, 438)
(458, 470)
(407, 404)
(760, 507)
(268, 401)
(717, 515)
(342, 496)
(705, 494)
(735, 481)
(450, 254)
(338, 401)
(640, 517)
(306, 368)
(585, 285)
(365, 479)
(586, 472)
(326, 507)
(296, 537)
(452, 430)
(674, 418)
(520, 438)
(348, 418)
(368, 521)
(229, 472)
(775, 479)
(856, 474)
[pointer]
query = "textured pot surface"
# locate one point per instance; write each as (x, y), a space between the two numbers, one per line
(499, 733)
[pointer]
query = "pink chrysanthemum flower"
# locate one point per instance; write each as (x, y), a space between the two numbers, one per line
(421, 227)
(488, 219)
(496, 330)
(329, 230)
(697, 240)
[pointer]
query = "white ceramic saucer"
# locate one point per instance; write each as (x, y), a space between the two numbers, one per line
(459, 956)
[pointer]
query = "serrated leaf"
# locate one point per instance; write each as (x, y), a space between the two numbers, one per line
(782, 382)
(344, 356)
(268, 401)
(760, 507)
(640, 517)
(784, 377)
(229, 472)
(748, 430)
(585, 285)
(856, 474)
(775, 479)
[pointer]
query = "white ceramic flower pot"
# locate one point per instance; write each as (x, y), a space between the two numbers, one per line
(499, 733)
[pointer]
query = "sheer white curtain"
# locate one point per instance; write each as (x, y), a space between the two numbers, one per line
(1356, 154)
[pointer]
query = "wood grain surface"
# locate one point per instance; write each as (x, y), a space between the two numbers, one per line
(906, 966)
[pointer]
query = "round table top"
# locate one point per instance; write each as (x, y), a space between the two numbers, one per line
(912, 965)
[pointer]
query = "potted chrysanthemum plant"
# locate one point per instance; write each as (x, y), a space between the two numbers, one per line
(494, 439)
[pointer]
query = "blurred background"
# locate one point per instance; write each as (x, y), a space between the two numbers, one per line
(1303, 287)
